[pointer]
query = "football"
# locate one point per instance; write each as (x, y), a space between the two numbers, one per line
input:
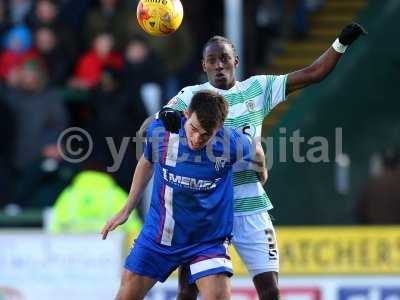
(159, 17)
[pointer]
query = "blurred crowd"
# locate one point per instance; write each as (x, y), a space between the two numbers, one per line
(77, 63)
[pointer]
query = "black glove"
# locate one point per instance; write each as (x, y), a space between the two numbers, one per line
(350, 33)
(171, 119)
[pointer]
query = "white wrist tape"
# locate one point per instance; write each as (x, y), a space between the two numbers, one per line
(339, 47)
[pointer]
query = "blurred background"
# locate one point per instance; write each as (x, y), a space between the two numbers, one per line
(87, 64)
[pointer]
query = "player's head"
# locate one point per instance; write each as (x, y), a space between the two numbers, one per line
(220, 61)
(205, 116)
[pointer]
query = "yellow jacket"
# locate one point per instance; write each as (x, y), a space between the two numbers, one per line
(88, 202)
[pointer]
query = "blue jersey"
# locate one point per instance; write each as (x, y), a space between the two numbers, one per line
(192, 198)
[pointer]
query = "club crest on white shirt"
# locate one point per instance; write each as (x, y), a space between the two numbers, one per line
(251, 105)
(174, 101)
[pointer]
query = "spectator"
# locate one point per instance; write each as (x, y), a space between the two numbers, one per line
(380, 199)
(89, 201)
(53, 55)
(17, 50)
(45, 13)
(39, 115)
(91, 64)
(142, 66)
(107, 101)
(143, 76)
(111, 16)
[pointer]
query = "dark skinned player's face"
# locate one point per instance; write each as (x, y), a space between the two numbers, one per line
(220, 62)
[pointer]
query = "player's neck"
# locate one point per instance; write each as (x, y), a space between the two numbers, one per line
(224, 87)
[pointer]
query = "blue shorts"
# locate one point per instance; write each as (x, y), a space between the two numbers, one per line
(202, 260)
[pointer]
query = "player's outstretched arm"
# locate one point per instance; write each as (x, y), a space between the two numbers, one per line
(143, 173)
(321, 67)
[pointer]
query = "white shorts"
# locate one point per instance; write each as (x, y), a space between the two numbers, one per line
(255, 241)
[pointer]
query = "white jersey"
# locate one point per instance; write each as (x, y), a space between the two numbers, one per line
(249, 102)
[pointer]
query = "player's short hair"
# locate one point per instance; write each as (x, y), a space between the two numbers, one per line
(211, 109)
(218, 39)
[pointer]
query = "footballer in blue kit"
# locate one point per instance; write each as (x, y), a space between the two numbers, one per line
(191, 213)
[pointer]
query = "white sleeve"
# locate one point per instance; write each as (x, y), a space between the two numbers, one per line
(275, 91)
(182, 100)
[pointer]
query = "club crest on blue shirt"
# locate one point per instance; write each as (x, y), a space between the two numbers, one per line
(220, 163)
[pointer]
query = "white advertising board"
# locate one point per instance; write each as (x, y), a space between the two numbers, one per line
(39, 266)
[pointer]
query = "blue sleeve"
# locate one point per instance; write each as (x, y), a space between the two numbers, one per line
(154, 136)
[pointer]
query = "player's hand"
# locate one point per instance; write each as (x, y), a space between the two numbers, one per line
(263, 176)
(350, 33)
(171, 119)
(113, 223)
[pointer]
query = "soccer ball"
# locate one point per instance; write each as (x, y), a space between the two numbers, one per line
(159, 17)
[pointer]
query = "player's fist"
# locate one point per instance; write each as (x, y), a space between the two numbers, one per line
(171, 119)
(350, 33)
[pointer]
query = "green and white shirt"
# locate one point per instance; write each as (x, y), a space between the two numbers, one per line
(249, 102)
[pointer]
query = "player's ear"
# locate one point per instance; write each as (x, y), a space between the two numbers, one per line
(236, 61)
(203, 64)
(187, 114)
